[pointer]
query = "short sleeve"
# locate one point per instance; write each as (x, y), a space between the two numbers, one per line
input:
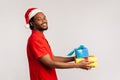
(39, 48)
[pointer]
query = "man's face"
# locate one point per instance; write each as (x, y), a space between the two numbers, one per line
(40, 22)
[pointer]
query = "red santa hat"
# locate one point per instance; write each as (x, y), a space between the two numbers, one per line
(31, 12)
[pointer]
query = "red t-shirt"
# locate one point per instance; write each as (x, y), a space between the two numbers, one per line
(37, 47)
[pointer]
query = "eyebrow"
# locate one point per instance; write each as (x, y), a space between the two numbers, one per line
(40, 17)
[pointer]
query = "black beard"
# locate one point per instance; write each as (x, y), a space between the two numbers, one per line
(43, 29)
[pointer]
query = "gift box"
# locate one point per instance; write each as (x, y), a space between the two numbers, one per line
(81, 53)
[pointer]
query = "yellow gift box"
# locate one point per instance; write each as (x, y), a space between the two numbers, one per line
(91, 58)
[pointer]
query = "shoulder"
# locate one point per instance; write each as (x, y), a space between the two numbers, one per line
(36, 35)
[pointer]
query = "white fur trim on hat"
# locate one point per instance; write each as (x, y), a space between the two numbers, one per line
(33, 13)
(27, 26)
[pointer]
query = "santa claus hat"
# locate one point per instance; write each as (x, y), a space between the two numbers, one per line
(31, 12)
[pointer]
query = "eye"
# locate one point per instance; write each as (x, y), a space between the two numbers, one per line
(38, 19)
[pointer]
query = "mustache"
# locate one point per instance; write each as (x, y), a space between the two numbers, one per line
(44, 23)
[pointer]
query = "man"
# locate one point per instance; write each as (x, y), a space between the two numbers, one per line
(42, 62)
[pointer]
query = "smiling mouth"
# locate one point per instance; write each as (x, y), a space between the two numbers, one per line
(44, 24)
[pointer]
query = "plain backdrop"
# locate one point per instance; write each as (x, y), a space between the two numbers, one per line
(94, 23)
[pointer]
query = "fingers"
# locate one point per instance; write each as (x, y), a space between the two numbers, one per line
(86, 68)
(90, 62)
(86, 65)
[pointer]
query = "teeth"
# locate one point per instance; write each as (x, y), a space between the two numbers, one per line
(44, 24)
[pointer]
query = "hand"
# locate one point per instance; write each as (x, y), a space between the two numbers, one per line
(84, 65)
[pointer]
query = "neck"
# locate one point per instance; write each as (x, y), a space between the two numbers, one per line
(38, 30)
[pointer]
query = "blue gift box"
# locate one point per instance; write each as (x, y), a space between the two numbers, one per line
(80, 52)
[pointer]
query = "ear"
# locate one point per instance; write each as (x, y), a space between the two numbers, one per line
(31, 23)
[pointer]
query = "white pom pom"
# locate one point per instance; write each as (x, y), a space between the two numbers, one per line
(27, 26)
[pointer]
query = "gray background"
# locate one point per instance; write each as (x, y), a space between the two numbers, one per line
(94, 23)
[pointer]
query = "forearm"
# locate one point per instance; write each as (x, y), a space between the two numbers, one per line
(63, 65)
(58, 62)
(63, 59)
